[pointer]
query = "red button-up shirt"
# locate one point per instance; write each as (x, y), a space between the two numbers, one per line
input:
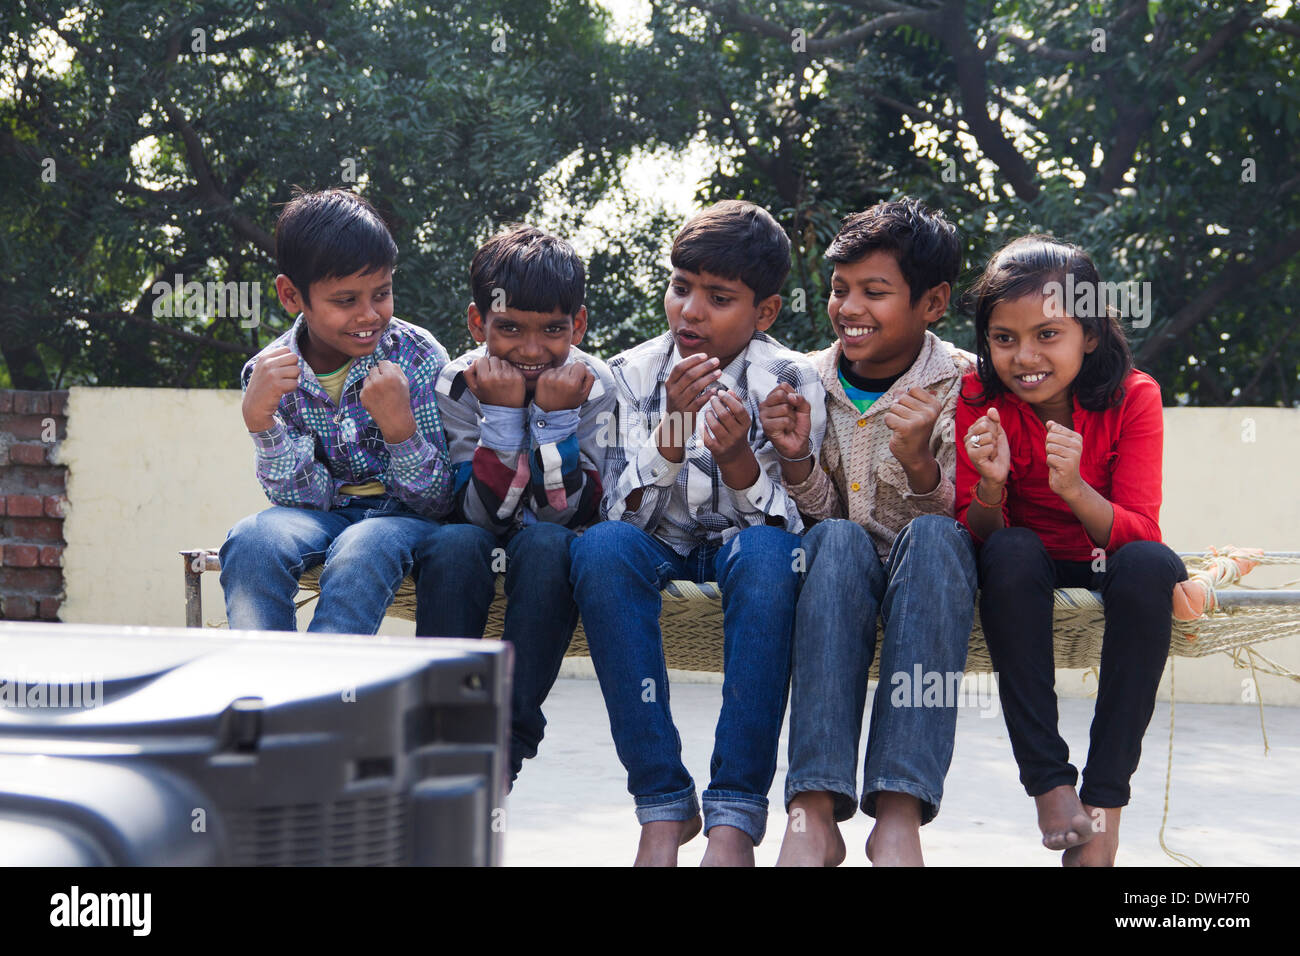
(1123, 449)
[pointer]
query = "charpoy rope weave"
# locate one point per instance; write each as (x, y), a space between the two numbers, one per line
(1235, 617)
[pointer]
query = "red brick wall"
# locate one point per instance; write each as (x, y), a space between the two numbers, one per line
(32, 500)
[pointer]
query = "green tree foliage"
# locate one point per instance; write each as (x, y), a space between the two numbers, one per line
(143, 139)
(1162, 137)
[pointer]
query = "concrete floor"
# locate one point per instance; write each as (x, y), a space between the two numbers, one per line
(1230, 803)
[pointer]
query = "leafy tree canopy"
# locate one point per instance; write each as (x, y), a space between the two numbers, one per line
(1164, 137)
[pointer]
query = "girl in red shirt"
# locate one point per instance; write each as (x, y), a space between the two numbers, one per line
(1058, 478)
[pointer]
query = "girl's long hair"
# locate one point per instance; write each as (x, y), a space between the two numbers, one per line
(1024, 267)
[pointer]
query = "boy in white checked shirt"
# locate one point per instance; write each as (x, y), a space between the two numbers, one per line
(693, 490)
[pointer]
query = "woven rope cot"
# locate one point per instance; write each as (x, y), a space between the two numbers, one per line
(1230, 617)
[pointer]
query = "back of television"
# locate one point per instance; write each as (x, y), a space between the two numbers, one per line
(167, 748)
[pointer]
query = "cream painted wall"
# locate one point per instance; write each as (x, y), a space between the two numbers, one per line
(152, 471)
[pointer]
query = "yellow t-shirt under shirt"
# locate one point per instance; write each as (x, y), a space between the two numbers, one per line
(333, 385)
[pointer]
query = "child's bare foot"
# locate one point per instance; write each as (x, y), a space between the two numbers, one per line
(728, 846)
(660, 840)
(895, 840)
(1062, 819)
(1101, 849)
(812, 837)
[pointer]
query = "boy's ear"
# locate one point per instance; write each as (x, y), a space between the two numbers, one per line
(477, 327)
(768, 310)
(579, 325)
(292, 300)
(935, 302)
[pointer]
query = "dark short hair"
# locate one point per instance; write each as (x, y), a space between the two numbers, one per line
(330, 234)
(735, 240)
(1024, 267)
(537, 271)
(920, 238)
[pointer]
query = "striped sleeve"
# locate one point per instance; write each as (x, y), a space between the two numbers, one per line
(568, 453)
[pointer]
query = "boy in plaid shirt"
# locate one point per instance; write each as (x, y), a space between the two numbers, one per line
(343, 414)
(693, 490)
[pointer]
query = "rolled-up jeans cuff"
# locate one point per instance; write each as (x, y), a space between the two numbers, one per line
(744, 811)
(843, 796)
(679, 806)
(873, 788)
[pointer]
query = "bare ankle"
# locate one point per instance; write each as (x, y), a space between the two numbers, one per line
(898, 809)
(816, 807)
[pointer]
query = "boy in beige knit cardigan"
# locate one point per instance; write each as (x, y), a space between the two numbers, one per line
(885, 543)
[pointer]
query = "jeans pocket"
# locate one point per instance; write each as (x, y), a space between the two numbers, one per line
(388, 506)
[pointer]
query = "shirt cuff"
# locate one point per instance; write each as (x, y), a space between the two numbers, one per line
(652, 467)
(273, 442)
(935, 492)
(410, 453)
(502, 427)
(549, 428)
(815, 477)
(759, 496)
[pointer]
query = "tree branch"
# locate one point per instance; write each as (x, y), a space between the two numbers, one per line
(1132, 124)
(943, 122)
(1233, 277)
(1039, 49)
(159, 327)
(1262, 367)
(210, 193)
(813, 44)
(1282, 26)
(972, 83)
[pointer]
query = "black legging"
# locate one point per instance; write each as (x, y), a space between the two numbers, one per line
(1017, 577)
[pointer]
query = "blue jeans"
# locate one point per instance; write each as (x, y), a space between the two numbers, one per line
(456, 586)
(925, 595)
(618, 571)
(367, 547)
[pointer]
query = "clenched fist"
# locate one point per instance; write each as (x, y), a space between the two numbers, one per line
(386, 396)
(274, 376)
(566, 387)
(494, 381)
(910, 421)
(989, 451)
(786, 418)
(726, 428)
(1064, 448)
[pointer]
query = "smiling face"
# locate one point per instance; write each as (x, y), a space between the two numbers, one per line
(1036, 355)
(530, 341)
(713, 316)
(872, 313)
(345, 318)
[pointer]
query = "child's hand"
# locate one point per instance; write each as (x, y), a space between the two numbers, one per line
(786, 418)
(387, 397)
(988, 449)
(686, 393)
(726, 428)
(274, 376)
(911, 421)
(494, 381)
(1064, 449)
(566, 387)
